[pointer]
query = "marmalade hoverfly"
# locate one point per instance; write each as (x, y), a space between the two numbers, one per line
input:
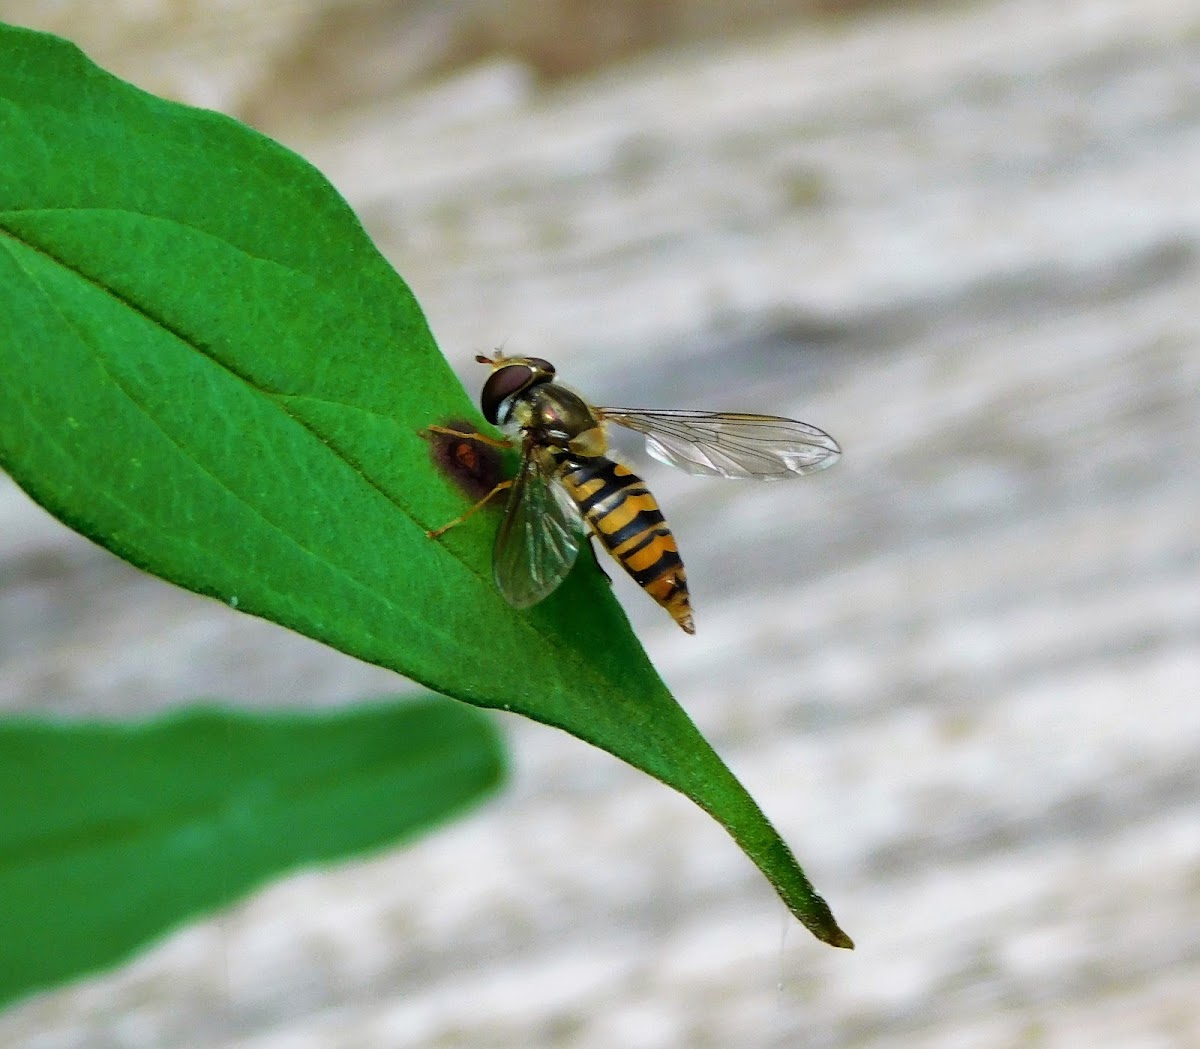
(566, 478)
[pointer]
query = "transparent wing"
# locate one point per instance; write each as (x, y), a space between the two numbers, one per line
(538, 538)
(730, 444)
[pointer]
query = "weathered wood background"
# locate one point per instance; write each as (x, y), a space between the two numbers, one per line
(961, 671)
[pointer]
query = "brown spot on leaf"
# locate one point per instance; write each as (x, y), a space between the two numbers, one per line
(472, 465)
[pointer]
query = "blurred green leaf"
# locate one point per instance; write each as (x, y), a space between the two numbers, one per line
(207, 367)
(112, 834)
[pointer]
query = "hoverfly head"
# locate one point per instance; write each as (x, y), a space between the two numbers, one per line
(510, 376)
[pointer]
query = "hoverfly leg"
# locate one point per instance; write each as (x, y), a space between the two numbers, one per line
(495, 442)
(437, 533)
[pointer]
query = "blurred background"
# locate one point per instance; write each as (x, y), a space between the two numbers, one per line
(960, 671)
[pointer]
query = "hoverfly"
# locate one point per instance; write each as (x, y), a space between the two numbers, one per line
(566, 479)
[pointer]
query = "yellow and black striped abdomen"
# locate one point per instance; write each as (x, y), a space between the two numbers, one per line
(626, 519)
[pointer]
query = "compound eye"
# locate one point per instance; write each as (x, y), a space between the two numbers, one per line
(542, 365)
(501, 385)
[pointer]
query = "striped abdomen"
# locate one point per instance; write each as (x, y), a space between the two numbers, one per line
(627, 520)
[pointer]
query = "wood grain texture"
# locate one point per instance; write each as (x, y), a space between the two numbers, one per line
(960, 671)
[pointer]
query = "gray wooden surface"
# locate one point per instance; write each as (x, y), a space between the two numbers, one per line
(961, 671)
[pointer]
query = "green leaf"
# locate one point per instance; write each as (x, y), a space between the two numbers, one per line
(111, 834)
(207, 367)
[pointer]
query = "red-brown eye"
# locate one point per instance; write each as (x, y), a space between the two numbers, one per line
(502, 384)
(542, 365)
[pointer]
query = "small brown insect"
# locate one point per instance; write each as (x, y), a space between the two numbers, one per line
(566, 478)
